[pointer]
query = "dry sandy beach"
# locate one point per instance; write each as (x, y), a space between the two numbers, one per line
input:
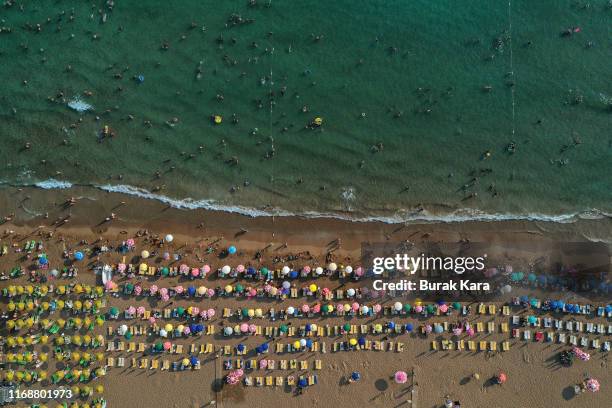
(535, 379)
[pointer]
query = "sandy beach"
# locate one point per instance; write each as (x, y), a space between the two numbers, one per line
(529, 365)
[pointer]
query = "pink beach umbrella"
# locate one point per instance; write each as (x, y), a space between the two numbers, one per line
(592, 385)
(121, 267)
(376, 308)
(252, 292)
(240, 268)
(457, 331)
(263, 364)
(195, 272)
(166, 256)
(428, 328)
(306, 269)
(305, 308)
(325, 291)
(359, 271)
(267, 288)
(252, 328)
(153, 289)
(131, 310)
(163, 291)
(211, 313)
(109, 285)
(470, 332)
(340, 306)
(140, 311)
(195, 311)
(130, 242)
(206, 269)
(183, 269)
(316, 308)
(418, 309)
(167, 345)
(186, 330)
(165, 298)
(152, 320)
(244, 327)
(355, 306)
(401, 377)
(179, 289)
(210, 292)
(203, 314)
(443, 308)
(137, 290)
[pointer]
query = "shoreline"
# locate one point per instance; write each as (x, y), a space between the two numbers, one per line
(401, 216)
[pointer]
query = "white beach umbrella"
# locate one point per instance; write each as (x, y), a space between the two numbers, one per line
(226, 270)
(397, 306)
(332, 266)
(348, 269)
(286, 270)
(319, 270)
(169, 238)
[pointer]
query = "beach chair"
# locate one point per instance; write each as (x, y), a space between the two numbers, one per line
(293, 364)
(110, 362)
(339, 294)
(471, 345)
(269, 381)
(492, 309)
(259, 381)
(506, 310)
(317, 365)
(506, 346)
(315, 346)
(293, 293)
(133, 363)
(595, 343)
(280, 381)
(482, 308)
(165, 365)
(227, 313)
(304, 365)
(239, 363)
(179, 349)
(109, 331)
(399, 347)
(312, 379)
(291, 380)
(504, 327)
(460, 345)
(154, 365)
(434, 345)
(110, 346)
(210, 330)
(490, 327)
(493, 346)
(482, 345)
(271, 364)
(279, 348)
(120, 346)
(144, 363)
(527, 335)
(573, 340)
(283, 364)
(146, 315)
(121, 362)
(390, 346)
(320, 331)
(131, 347)
(248, 381)
(561, 339)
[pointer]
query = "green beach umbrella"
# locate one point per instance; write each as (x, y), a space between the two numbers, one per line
(114, 311)
(128, 336)
(346, 327)
(159, 346)
(165, 271)
(430, 309)
(239, 288)
(264, 270)
(284, 328)
(180, 310)
(245, 311)
(407, 307)
(456, 305)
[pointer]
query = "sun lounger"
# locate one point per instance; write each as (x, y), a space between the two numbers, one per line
(471, 345)
(283, 364)
(248, 381)
(269, 381)
(304, 365)
(579, 327)
(323, 347)
(493, 346)
(121, 362)
(434, 345)
(558, 324)
(506, 346)
(479, 327)
(549, 337)
(280, 381)
(110, 362)
(131, 347)
(399, 347)
(293, 364)
(506, 310)
(154, 365)
(227, 313)
(584, 342)
(460, 345)
(600, 329)
(210, 330)
(561, 339)
(504, 327)
(179, 349)
(482, 308)
(390, 346)
(165, 365)
(144, 363)
(279, 347)
(516, 320)
(482, 345)
(606, 346)
(109, 331)
(317, 365)
(291, 331)
(527, 335)
(290, 380)
(573, 340)
(516, 333)
(110, 346)
(490, 327)
(315, 346)
(239, 363)
(133, 363)
(120, 346)
(313, 379)
(259, 381)
(492, 309)
(569, 326)
(595, 343)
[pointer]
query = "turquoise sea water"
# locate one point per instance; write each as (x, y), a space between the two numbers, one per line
(413, 94)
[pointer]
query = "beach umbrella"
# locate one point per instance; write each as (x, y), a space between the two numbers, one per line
(202, 290)
(206, 269)
(355, 376)
(306, 269)
(397, 306)
(252, 328)
(286, 285)
(228, 331)
(346, 327)
(305, 308)
(532, 319)
(144, 254)
(226, 269)
(418, 308)
(169, 238)
(359, 271)
(430, 309)
(229, 288)
(438, 329)
(391, 325)
(244, 327)
(285, 270)
(313, 288)
(290, 310)
(377, 308)
(501, 378)
(231, 250)
(407, 307)
(428, 328)
(361, 341)
(211, 312)
(457, 331)
(167, 345)
(78, 256)
(302, 383)
(240, 268)
(303, 342)
(319, 270)
(240, 347)
(348, 269)
(293, 274)
(365, 309)
(283, 328)
(401, 377)
(332, 267)
(355, 306)
(592, 385)
(409, 327)
(443, 308)
(350, 292)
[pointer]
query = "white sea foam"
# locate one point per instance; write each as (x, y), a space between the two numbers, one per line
(52, 184)
(79, 105)
(461, 215)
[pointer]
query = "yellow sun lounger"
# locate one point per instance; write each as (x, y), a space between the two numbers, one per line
(471, 345)
(482, 345)
(506, 346)
(154, 365)
(318, 365)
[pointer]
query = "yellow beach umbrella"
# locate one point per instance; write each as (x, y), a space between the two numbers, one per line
(11, 306)
(99, 388)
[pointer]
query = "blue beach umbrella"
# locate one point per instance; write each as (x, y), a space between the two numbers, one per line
(251, 270)
(438, 329)
(191, 290)
(355, 376)
(293, 274)
(302, 383)
(240, 347)
(265, 347)
(308, 343)
(391, 325)
(532, 277)
(193, 360)
(361, 341)
(78, 256)
(308, 327)
(532, 319)
(409, 327)
(231, 250)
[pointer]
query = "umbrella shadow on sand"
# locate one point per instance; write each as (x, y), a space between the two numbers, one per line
(568, 393)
